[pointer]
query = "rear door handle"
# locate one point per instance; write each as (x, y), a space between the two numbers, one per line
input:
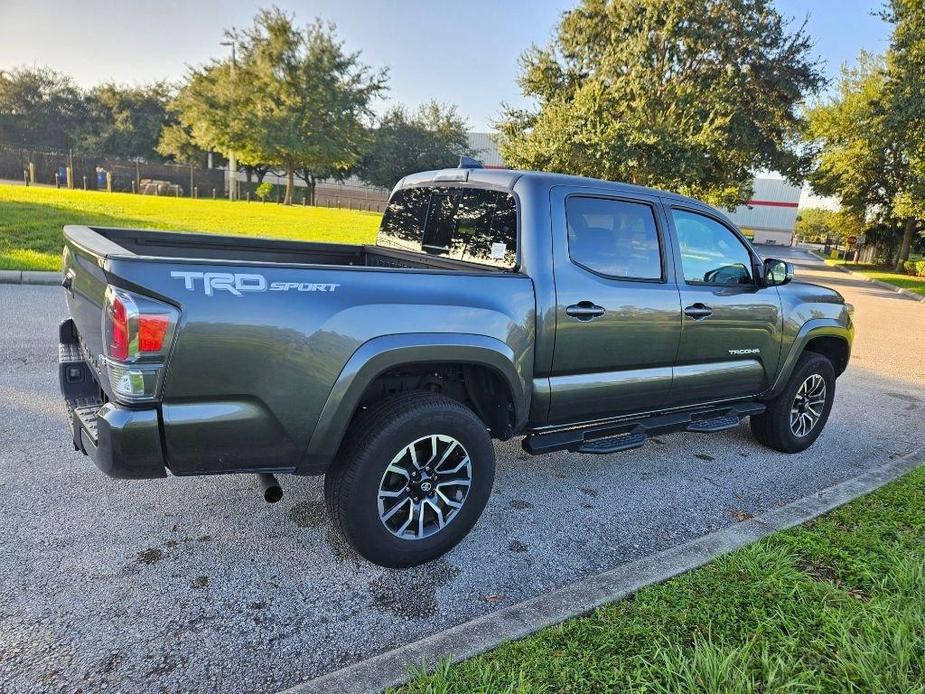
(585, 310)
(698, 311)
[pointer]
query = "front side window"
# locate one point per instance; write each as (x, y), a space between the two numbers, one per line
(470, 224)
(710, 253)
(613, 237)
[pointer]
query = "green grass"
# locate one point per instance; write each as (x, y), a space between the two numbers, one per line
(31, 220)
(884, 274)
(837, 605)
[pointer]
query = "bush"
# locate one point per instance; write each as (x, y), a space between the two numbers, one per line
(264, 191)
(914, 267)
(834, 255)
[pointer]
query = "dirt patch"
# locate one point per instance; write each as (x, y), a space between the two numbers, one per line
(412, 593)
(307, 515)
(200, 582)
(152, 555)
(520, 505)
(589, 492)
(825, 574)
(704, 456)
(518, 547)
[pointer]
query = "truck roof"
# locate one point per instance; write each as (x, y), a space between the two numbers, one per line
(507, 178)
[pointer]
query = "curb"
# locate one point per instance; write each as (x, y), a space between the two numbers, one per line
(879, 283)
(29, 277)
(392, 668)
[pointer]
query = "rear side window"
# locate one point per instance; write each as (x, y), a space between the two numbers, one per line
(613, 237)
(469, 224)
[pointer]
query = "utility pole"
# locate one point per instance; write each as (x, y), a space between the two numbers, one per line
(232, 159)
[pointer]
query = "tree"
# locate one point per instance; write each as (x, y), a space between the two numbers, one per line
(815, 223)
(176, 142)
(433, 137)
(126, 121)
(871, 135)
(211, 110)
(689, 95)
(311, 99)
(855, 150)
(39, 107)
(905, 117)
(293, 98)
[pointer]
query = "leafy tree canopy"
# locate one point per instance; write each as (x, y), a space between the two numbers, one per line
(294, 98)
(814, 223)
(126, 121)
(688, 95)
(871, 136)
(432, 137)
(39, 107)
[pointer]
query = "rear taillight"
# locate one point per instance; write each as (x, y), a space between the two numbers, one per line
(117, 342)
(137, 332)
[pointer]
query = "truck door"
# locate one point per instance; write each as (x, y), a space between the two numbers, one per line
(731, 327)
(618, 312)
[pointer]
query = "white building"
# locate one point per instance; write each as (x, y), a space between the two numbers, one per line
(771, 215)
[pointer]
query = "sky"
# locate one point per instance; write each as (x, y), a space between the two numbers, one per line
(462, 53)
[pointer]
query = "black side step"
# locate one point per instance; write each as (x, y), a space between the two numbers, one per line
(623, 435)
(614, 444)
(708, 426)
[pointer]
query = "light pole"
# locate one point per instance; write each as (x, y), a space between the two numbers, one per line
(232, 160)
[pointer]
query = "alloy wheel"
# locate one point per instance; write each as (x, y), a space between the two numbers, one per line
(808, 404)
(424, 487)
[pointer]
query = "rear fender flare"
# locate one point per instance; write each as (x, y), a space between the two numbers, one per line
(383, 353)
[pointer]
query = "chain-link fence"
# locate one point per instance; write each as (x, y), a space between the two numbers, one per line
(88, 171)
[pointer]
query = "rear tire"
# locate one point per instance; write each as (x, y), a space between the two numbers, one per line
(412, 478)
(795, 418)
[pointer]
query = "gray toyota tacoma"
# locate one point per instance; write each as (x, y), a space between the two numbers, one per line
(581, 315)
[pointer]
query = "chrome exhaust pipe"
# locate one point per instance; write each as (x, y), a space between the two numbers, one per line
(270, 488)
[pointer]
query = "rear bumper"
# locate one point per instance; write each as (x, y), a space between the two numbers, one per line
(122, 442)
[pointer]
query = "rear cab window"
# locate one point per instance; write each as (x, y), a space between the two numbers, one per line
(472, 224)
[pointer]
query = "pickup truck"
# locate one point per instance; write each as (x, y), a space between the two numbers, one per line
(579, 314)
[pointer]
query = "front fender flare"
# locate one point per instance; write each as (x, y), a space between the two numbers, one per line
(383, 353)
(817, 327)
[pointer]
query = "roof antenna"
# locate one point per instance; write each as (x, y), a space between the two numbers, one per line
(469, 163)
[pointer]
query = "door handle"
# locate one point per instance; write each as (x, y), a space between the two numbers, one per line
(698, 311)
(585, 310)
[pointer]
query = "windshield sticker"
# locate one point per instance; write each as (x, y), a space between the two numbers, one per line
(498, 250)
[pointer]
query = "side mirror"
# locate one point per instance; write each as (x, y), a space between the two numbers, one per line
(777, 272)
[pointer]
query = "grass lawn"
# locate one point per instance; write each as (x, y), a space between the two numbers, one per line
(878, 272)
(31, 220)
(837, 605)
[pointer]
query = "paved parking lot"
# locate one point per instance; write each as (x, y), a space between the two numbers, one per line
(194, 584)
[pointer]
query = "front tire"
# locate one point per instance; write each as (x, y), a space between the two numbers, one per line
(794, 419)
(412, 479)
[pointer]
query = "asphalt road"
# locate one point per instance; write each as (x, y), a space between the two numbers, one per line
(197, 584)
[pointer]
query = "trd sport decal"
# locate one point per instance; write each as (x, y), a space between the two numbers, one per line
(239, 283)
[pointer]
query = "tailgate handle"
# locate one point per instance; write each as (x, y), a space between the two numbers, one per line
(68, 281)
(585, 310)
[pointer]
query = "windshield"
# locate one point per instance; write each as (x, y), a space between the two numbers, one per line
(471, 224)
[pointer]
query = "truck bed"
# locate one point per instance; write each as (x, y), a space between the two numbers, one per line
(186, 246)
